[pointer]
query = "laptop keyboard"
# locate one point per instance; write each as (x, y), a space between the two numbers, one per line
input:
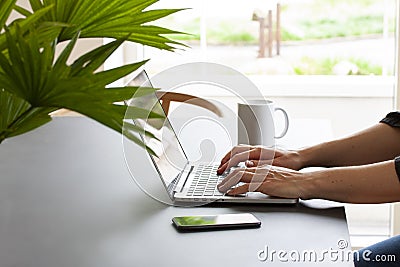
(205, 182)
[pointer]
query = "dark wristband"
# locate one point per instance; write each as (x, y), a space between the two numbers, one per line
(397, 166)
(392, 119)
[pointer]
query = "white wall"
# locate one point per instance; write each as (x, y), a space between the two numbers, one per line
(346, 115)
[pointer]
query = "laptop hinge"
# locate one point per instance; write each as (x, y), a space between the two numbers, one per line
(172, 185)
(187, 177)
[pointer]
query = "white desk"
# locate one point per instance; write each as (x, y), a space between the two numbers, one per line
(67, 199)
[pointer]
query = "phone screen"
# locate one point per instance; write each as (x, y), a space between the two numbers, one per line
(216, 221)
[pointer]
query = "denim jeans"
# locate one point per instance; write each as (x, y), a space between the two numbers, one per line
(385, 253)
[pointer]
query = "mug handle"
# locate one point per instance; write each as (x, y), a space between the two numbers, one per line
(286, 122)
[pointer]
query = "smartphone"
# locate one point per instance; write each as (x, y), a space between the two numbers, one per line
(215, 222)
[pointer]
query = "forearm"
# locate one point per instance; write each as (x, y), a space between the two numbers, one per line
(373, 183)
(375, 144)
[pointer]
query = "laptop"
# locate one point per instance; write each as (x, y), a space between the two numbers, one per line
(185, 182)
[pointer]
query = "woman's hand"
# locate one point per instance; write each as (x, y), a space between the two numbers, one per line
(257, 155)
(270, 180)
(372, 183)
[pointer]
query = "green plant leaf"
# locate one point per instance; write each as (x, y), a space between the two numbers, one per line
(22, 11)
(11, 107)
(129, 133)
(113, 19)
(18, 117)
(6, 6)
(47, 86)
(91, 61)
(35, 82)
(24, 24)
(32, 119)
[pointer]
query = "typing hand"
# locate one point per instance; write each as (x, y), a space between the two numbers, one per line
(258, 156)
(273, 181)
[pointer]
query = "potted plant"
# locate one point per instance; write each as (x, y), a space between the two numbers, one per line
(35, 80)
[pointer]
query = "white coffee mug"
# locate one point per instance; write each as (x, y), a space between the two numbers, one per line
(256, 124)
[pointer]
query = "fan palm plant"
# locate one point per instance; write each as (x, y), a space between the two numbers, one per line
(35, 82)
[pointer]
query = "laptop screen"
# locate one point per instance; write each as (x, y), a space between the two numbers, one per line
(170, 158)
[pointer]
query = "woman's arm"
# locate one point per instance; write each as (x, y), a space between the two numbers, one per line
(378, 143)
(373, 183)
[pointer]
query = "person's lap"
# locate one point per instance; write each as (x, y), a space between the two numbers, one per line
(385, 253)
